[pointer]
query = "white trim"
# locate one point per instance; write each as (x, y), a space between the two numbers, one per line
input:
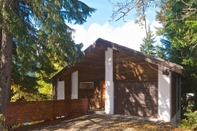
(60, 90)
(109, 96)
(74, 85)
(164, 96)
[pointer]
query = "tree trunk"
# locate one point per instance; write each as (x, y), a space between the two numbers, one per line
(5, 66)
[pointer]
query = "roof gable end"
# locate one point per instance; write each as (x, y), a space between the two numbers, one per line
(137, 54)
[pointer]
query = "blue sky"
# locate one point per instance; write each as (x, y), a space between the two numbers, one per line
(103, 13)
(99, 25)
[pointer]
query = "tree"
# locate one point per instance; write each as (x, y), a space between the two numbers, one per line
(160, 52)
(38, 30)
(123, 8)
(44, 85)
(147, 46)
(179, 19)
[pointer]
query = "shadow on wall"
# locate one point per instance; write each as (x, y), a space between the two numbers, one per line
(136, 99)
(134, 71)
(136, 87)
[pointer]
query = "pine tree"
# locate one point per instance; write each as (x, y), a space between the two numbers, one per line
(179, 20)
(36, 30)
(147, 46)
(160, 52)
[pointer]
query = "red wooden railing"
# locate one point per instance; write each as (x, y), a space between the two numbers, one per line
(29, 111)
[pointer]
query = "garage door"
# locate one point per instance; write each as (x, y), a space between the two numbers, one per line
(136, 99)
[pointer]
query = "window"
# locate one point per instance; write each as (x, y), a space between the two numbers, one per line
(86, 85)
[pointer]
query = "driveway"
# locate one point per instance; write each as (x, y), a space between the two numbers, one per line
(100, 122)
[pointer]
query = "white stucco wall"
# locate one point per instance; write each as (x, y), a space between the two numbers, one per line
(74, 85)
(164, 96)
(109, 97)
(60, 90)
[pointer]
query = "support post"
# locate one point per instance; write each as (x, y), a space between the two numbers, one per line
(109, 102)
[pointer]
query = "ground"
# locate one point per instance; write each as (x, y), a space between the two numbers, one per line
(97, 122)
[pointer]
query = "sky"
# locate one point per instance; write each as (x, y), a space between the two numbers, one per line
(101, 25)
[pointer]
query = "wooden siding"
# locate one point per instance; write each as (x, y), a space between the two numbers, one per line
(136, 99)
(130, 69)
(95, 75)
(93, 71)
(67, 80)
(29, 111)
(90, 69)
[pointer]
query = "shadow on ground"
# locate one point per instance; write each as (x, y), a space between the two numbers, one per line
(96, 122)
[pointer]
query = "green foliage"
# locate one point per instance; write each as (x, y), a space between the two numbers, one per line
(41, 37)
(190, 122)
(160, 52)
(179, 19)
(123, 8)
(2, 120)
(44, 85)
(147, 46)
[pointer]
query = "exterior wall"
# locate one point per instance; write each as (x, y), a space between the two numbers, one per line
(132, 70)
(164, 96)
(93, 95)
(60, 90)
(173, 94)
(179, 113)
(74, 85)
(136, 99)
(176, 116)
(54, 89)
(135, 86)
(109, 97)
(94, 72)
(67, 80)
(174, 120)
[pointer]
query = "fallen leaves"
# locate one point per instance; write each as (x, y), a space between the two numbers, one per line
(95, 122)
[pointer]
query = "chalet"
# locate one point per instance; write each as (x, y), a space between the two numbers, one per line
(120, 80)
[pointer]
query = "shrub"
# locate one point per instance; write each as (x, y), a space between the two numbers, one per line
(190, 122)
(2, 120)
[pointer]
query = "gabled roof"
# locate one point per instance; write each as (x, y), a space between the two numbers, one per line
(137, 54)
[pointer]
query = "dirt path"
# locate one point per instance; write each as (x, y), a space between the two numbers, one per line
(97, 122)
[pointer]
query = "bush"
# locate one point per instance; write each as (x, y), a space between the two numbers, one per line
(190, 122)
(2, 120)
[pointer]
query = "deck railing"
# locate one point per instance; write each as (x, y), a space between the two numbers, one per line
(30, 111)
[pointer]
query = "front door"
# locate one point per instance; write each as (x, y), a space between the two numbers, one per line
(103, 92)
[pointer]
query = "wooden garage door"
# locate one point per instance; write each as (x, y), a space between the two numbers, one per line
(136, 99)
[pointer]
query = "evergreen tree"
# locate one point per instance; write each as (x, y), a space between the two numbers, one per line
(147, 46)
(36, 31)
(179, 19)
(160, 52)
